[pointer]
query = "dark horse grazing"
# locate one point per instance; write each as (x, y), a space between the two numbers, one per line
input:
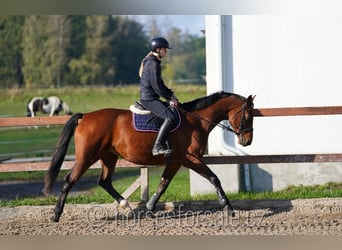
(108, 133)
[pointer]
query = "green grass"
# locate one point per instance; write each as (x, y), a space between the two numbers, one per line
(13, 101)
(178, 190)
(30, 142)
(329, 190)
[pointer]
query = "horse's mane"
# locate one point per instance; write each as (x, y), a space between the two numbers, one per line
(203, 102)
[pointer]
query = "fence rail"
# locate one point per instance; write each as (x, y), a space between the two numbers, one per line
(142, 181)
(33, 121)
(328, 110)
(292, 111)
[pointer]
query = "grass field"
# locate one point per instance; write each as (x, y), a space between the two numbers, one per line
(13, 101)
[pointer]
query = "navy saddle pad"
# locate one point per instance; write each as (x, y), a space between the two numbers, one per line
(152, 123)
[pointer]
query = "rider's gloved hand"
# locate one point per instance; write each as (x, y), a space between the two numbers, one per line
(174, 101)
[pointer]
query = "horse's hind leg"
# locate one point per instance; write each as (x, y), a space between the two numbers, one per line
(168, 174)
(70, 179)
(105, 179)
(61, 199)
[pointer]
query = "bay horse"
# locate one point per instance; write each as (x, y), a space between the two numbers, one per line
(51, 105)
(108, 133)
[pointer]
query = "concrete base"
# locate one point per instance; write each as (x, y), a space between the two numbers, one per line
(228, 175)
(268, 177)
(275, 177)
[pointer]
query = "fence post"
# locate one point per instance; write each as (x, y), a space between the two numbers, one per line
(144, 184)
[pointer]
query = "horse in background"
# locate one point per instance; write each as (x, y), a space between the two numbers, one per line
(52, 105)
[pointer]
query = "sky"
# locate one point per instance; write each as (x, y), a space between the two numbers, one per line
(191, 23)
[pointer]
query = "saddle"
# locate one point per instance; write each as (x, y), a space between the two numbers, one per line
(145, 121)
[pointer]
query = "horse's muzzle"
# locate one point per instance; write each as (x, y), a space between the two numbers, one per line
(245, 139)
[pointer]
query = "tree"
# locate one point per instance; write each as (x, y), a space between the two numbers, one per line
(88, 67)
(11, 51)
(187, 57)
(152, 28)
(57, 50)
(45, 42)
(129, 45)
(58, 39)
(175, 38)
(76, 48)
(33, 52)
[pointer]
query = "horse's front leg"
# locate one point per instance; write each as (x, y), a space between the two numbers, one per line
(199, 167)
(168, 174)
(52, 112)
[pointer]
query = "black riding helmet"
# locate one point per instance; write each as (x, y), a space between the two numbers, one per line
(159, 42)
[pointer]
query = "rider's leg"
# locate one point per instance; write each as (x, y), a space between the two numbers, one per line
(159, 145)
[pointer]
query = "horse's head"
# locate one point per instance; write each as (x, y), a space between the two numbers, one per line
(241, 119)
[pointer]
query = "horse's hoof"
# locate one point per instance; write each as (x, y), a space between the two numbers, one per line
(124, 204)
(150, 207)
(223, 202)
(232, 213)
(55, 219)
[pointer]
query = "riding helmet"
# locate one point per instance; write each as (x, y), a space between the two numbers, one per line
(159, 42)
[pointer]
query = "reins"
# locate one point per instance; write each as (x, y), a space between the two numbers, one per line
(220, 125)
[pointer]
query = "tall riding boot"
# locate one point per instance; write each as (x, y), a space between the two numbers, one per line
(158, 147)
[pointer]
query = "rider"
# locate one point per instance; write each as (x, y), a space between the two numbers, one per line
(152, 87)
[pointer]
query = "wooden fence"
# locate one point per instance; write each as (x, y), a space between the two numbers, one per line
(142, 180)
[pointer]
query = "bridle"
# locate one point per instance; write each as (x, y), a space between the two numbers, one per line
(241, 130)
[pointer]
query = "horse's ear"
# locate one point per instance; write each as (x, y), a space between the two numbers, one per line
(251, 98)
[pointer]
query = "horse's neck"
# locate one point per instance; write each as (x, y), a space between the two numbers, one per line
(217, 112)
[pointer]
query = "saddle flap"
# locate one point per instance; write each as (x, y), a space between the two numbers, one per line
(152, 123)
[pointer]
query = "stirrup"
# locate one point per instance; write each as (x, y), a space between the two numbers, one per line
(161, 151)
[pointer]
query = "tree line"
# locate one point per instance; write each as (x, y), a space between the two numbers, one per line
(61, 50)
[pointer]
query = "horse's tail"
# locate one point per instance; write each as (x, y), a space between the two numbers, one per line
(61, 149)
(66, 108)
